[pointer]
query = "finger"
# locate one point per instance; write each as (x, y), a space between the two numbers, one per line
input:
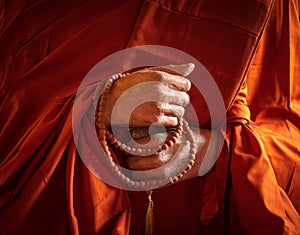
(157, 91)
(172, 110)
(149, 162)
(154, 110)
(151, 91)
(145, 132)
(167, 121)
(153, 174)
(169, 95)
(148, 114)
(143, 163)
(148, 104)
(152, 140)
(173, 81)
(155, 160)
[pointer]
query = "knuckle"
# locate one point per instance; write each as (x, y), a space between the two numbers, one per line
(186, 99)
(187, 84)
(157, 108)
(180, 111)
(157, 118)
(158, 91)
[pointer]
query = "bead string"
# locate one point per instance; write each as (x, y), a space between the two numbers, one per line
(104, 89)
(147, 151)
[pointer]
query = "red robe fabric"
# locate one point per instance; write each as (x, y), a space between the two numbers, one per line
(250, 47)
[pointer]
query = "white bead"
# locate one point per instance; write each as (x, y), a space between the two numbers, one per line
(170, 143)
(131, 151)
(175, 179)
(115, 169)
(153, 183)
(149, 152)
(109, 159)
(188, 168)
(193, 151)
(112, 164)
(138, 151)
(193, 157)
(127, 149)
(123, 147)
(144, 152)
(193, 145)
(127, 180)
(118, 144)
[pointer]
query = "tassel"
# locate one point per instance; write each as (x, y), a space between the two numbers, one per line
(149, 222)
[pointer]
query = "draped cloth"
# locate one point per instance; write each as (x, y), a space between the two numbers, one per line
(251, 48)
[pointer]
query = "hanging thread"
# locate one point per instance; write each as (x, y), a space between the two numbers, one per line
(149, 222)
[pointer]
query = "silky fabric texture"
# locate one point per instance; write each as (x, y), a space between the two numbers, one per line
(47, 47)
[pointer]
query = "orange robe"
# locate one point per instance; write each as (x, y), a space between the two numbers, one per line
(250, 47)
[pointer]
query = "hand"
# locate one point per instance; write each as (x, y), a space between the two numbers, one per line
(160, 93)
(172, 160)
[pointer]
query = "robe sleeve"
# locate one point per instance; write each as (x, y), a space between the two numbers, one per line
(45, 188)
(263, 135)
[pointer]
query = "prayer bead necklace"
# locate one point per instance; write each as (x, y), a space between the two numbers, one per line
(147, 151)
(104, 134)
